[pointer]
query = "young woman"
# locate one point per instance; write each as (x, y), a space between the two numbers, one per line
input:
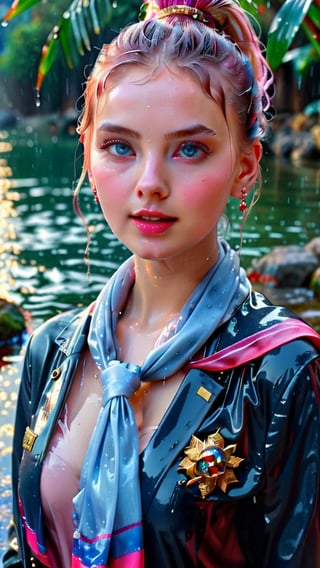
(176, 422)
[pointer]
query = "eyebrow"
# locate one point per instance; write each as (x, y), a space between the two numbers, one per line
(117, 129)
(177, 134)
(191, 131)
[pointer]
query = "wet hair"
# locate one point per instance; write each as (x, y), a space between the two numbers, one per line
(212, 40)
(223, 46)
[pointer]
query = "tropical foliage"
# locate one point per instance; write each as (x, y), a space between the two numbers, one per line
(292, 29)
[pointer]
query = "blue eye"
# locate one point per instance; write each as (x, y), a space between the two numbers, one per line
(193, 150)
(120, 149)
(190, 150)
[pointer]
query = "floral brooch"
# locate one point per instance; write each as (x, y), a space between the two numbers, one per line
(210, 464)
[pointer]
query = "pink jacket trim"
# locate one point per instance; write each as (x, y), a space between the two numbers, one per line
(257, 345)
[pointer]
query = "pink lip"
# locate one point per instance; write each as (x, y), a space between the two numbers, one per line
(152, 222)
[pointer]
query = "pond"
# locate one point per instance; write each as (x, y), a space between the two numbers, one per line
(42, 242)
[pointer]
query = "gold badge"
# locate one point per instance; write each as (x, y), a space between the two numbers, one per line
(29, 439)
(210, 464)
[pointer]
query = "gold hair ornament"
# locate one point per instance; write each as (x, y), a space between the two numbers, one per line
(151, 11)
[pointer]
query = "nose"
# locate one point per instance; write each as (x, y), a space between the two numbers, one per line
(152, 179)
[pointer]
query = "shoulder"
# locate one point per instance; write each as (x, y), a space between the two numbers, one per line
(290, 362)
(258, 313)
(267, 340)
(257, 317)
(48, 347)
(55, 340)
(60, 328)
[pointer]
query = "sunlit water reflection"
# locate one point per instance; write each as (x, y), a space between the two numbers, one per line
(42, 242)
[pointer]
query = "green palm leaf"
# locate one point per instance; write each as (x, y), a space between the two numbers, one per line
(67, 40)
(300, 58)
(75, 31)
(47, 58)
(94, 17)
(254, 7)
(284, 28)
(17, 8)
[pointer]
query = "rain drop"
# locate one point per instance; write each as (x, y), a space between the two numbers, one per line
(38, 100)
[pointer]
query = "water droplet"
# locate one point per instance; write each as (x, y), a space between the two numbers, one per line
(38, 99)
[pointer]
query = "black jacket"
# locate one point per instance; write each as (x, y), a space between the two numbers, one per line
(268, 407)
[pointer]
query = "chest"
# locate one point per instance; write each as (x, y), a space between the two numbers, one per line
(84, 401)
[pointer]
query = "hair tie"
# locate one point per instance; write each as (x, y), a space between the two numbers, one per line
(151, 11)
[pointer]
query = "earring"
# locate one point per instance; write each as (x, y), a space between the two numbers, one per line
(243, 204)
(95, 194)
(93, 187)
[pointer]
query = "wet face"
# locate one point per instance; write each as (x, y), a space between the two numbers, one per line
(163, 161)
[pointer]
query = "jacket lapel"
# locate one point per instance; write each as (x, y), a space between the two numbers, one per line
(197, 393)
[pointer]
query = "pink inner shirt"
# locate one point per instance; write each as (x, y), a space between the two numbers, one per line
(60, 479)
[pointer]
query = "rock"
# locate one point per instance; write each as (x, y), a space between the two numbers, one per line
(314, 247)
(284, 266)
(304, 147)
(295, 144)
(299, 122)
(296, 137)
(282, 144)
(13, 325)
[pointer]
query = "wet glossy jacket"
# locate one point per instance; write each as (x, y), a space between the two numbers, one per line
(269, 408)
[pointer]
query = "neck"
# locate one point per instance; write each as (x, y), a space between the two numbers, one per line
(161, 289)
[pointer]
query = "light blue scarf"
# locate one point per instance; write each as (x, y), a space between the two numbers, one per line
(107, 507)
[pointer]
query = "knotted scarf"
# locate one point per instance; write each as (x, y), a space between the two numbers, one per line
(107, 509)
